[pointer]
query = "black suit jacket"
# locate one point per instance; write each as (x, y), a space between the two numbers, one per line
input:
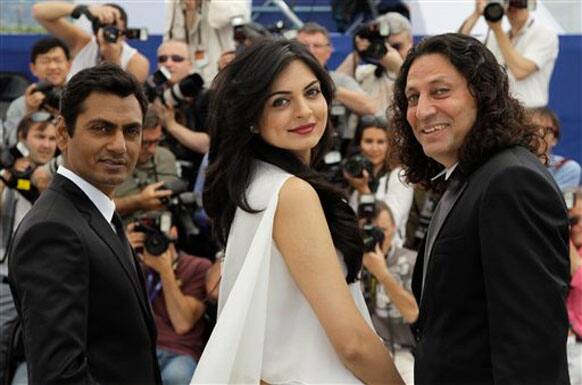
(85, 314)
(493, 306)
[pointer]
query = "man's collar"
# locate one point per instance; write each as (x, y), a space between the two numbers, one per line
(104, 204)
(446, 172)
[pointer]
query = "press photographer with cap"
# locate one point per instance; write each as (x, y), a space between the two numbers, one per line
(528, 50)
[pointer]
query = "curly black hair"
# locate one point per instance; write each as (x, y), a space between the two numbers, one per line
(501, 120)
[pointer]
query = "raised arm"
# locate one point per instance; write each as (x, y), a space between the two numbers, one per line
(304, 239)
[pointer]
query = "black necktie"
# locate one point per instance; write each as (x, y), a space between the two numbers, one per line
(116, 220)
(444, 206)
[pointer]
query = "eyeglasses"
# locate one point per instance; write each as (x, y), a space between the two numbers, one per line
(175, 58)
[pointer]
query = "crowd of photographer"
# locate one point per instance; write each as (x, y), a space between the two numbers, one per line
(161, 202)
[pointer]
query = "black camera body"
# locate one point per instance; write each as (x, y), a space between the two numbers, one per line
(20, 180)
(157, 87)
(495, 9)
(180, 209)
(371, 235)
(9, 155)
(376, 33)
(51, 92)
(111, 33)
(155, 229)
(356, 164)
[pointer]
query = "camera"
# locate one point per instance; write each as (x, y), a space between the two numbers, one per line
(180, 208)
(8, 155)
(376, 33)
(356, 164)
(111, 33)
(20, 180)
(495, 9)
(371, 235)
(157, 87)
(246, 33)
(52, 94)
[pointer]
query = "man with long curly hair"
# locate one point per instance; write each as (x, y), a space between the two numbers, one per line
(492, 274)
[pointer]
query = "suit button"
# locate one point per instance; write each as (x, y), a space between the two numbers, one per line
(418, 335)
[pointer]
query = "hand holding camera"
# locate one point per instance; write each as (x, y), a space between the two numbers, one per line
(110, 50)
(104, 13)
(33, 99)
(375, 262)
(161, 263)
(152, 195)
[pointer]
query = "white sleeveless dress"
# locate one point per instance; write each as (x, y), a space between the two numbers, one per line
(266, 329)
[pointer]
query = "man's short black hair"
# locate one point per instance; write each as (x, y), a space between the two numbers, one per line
(43, 46)
(105, 79)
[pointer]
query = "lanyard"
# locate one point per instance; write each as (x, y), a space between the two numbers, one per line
(154, 286)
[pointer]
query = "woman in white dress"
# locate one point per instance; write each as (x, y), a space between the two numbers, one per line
(290, 310)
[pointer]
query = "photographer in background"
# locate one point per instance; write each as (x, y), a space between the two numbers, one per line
(183, 121)
(382, 44)
(37, 136)
(50, 64)
(142, 191)
(565, 171)
(392, 305)
(528, 50)
(176, 284)
(206, 28)
(369, 172)
(88, 50)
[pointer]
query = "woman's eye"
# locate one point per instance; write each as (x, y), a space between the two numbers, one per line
(280, 102)
(313, 92)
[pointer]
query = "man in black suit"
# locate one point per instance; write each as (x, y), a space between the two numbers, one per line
(492, 274)
(82, 303)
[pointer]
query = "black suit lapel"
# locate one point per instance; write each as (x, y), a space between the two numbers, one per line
(103, 229)
(444, 207)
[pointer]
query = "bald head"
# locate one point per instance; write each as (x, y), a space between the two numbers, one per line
(175, 56)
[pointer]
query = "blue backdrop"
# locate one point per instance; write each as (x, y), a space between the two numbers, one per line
(565, 89)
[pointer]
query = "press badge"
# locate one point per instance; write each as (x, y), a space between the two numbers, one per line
(200, 58)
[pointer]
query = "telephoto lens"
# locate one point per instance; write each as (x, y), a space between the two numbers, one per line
(494, 10)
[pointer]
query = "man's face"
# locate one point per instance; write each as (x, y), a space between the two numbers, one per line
(42, 143)
(106, 142)
(52, 66)
(174, 56)
(317, 44)
(546, 127)
(517, 16)
(401, 42)
(149, 144)
(576, 229)
(441, 110)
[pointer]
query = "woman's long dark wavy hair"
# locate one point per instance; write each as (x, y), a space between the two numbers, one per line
(238, 97)
(501, 120)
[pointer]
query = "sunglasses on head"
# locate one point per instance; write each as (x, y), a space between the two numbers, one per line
(41, 116)
(175, 58)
